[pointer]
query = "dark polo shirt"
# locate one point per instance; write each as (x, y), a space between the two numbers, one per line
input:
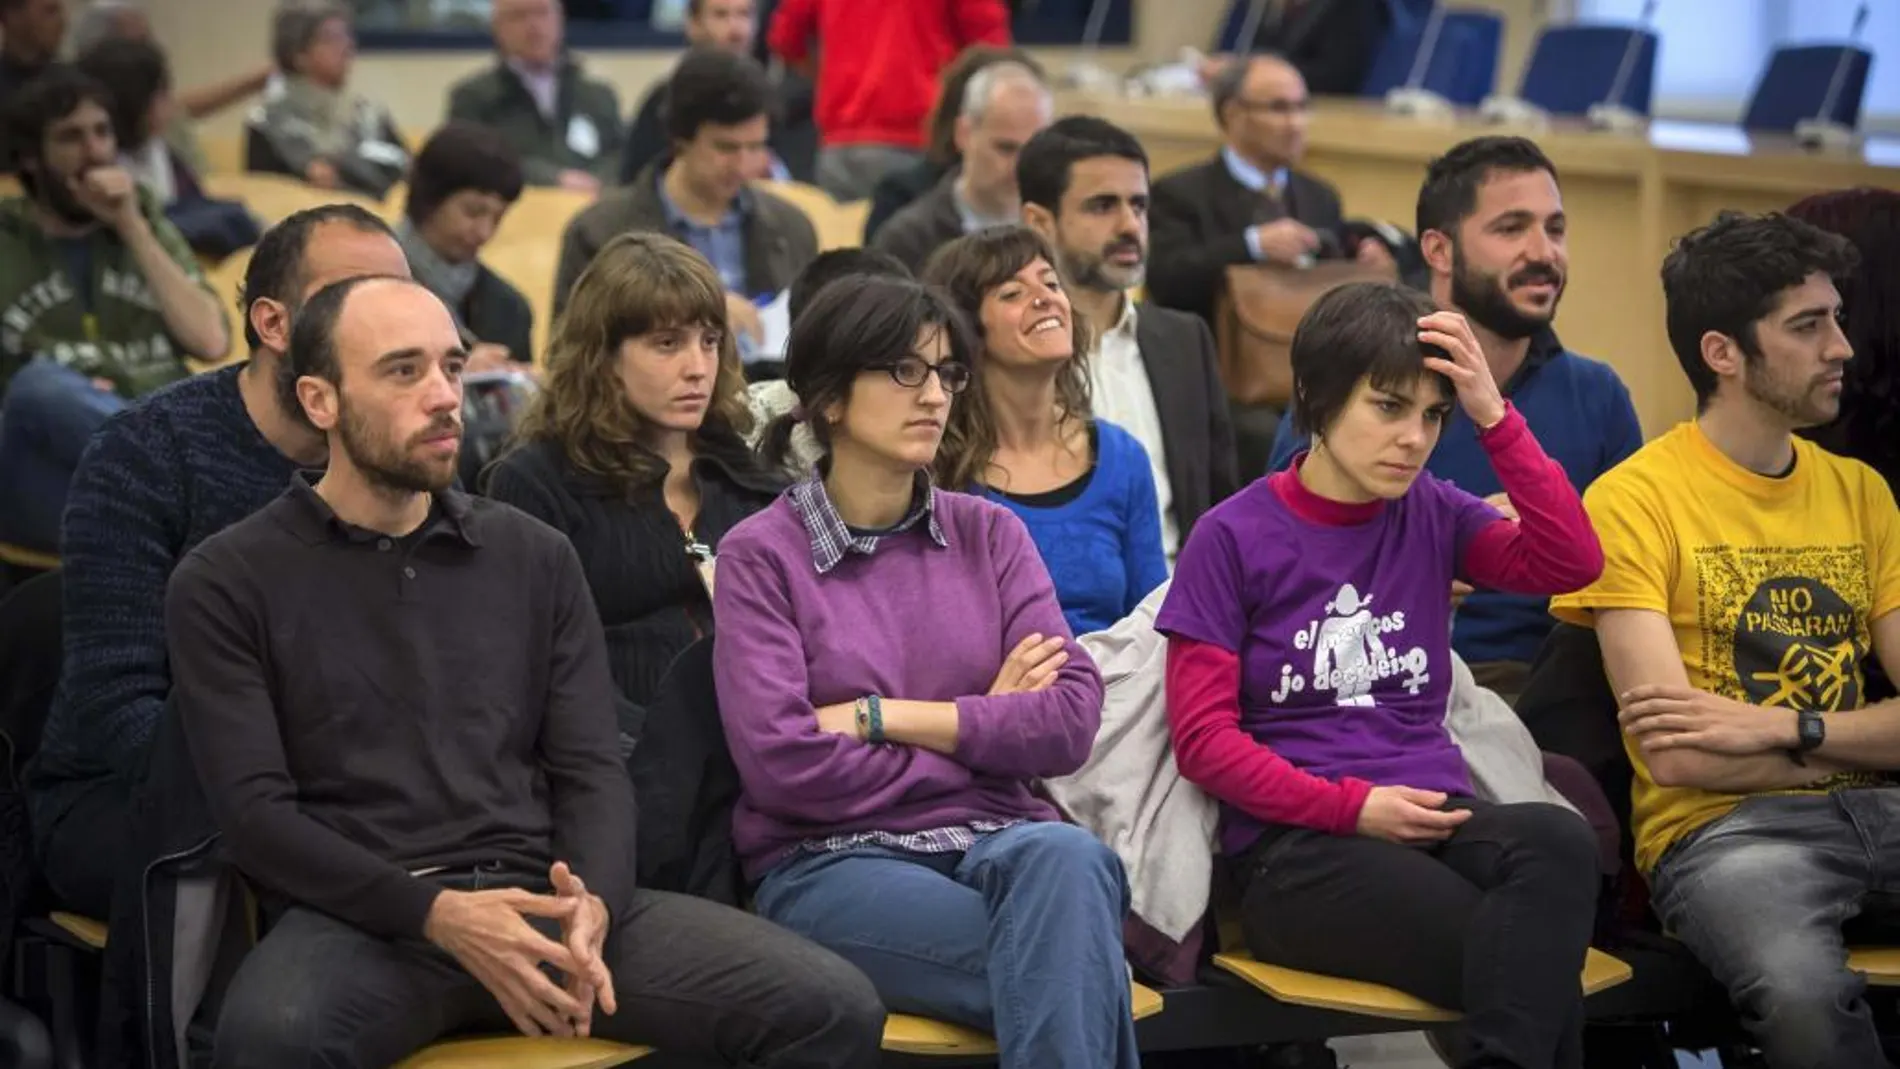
(363, 710)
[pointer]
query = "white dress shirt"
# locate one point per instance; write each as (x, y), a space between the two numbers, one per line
(1124, 396)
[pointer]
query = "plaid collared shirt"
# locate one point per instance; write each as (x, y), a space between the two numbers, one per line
(831, 538)
(956, 839)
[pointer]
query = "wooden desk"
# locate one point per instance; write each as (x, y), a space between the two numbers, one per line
(1627, 198)
(273, 197)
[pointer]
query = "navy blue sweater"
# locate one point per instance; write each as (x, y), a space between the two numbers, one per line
(1581, 413)
(159, 478)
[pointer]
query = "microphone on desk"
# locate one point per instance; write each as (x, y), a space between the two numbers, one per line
(1822, 131)
(1610, 113)
(1413, 98)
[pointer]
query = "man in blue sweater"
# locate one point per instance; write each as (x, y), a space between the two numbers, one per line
(184, 463)
(1491, 226)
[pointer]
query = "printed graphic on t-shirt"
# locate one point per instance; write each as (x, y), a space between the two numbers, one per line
(21, 327)
(1786, 627)
(1353, 649)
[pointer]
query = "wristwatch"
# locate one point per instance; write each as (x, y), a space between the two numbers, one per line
(1810, 730)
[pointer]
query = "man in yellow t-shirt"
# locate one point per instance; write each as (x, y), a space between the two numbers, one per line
(1748, 575)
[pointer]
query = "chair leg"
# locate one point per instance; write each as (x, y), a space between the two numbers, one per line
(68, 1005)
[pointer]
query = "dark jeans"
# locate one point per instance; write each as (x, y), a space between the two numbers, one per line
(693, 978)
(46, 419)
(1494, 921)
(82, 852)
(1760, 896)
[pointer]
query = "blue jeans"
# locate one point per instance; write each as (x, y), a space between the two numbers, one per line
(1021, 936)
(46, 419)
(1760, 895)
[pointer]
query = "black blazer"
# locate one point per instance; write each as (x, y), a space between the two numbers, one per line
(1331, 42)
(923, 226)
(1178, 352)
(899, 188)
(1197, 224)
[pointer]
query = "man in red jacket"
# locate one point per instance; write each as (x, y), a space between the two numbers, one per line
(878, 78)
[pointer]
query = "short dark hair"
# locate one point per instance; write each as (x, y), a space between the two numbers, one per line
(134, 73)
(1356, 331)
(832, 265)
(313, 335)
(52, 95)
(713, 86)
(1727, 276)
(849, 330)
(1450, 192)
(276, 267)
(1043, 166)
(461, 155)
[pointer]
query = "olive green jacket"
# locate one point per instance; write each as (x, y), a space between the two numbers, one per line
(43, 309)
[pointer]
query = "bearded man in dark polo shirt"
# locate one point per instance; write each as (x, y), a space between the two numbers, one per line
(398, 701)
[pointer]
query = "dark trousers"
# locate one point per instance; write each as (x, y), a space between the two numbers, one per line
(82, 852)
(1494, 921)
(694, 978)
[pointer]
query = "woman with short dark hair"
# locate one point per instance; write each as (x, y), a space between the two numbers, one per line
(461, 184)
(1309, 667)
(894, 676)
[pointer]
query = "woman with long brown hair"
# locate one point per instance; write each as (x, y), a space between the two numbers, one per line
(634, 449)
(1025, 438)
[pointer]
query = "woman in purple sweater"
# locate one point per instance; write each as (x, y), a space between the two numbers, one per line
(894, 674)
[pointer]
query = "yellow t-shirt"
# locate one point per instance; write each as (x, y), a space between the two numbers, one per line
(1771, 585)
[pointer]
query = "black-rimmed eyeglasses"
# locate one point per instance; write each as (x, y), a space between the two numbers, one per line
(911, 371)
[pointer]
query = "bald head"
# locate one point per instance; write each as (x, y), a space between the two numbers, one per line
(528, 32)
(1261, 105)
(1004, 105)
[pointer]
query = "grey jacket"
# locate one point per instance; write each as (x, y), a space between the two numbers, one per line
(496, 98)
(923, 226)
(779, 240)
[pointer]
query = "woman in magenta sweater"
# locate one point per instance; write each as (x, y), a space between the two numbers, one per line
(1309, 663)
(894, 675)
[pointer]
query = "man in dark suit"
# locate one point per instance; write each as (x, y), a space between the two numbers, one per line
(1249, 204)
(564, 124)
(1084, 185)
(1332, 42)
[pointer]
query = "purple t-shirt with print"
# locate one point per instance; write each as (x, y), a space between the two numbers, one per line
(1343, 632)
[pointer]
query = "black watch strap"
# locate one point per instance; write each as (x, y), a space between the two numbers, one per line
(1810, 732)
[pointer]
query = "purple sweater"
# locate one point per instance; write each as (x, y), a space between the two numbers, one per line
(913, 621)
